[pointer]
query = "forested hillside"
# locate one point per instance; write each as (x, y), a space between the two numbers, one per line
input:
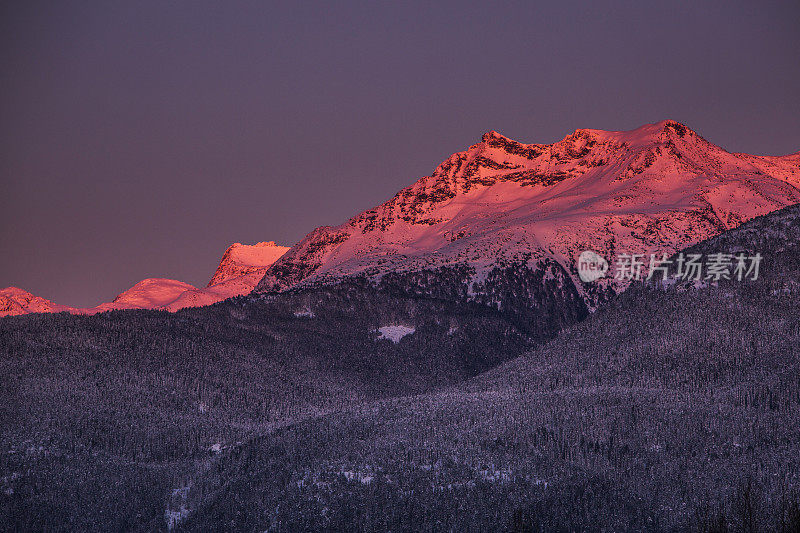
(118, 409)
(671, 409)
(390, 407)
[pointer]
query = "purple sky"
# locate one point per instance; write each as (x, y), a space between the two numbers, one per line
(140, 139)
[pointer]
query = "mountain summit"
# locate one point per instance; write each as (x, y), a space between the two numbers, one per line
(657, 188)
(241, 259)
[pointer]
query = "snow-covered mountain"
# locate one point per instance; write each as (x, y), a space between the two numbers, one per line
(502, 219)
(241, 268)
(654, 189)
(241, 259)
(151, 293)
(16, 301)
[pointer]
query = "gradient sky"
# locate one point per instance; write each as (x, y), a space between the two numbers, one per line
(140, 139)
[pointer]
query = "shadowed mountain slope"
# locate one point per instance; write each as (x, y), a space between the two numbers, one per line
(672, 408)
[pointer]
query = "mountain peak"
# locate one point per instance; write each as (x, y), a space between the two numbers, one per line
(152, 292)
(240, 259)
(656, 132)
(677, 129)
(653, 188)
(585, 138)
(16, 301)
(493, 135)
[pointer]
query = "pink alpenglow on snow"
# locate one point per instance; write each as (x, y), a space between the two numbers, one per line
(241, 259)
(15, 301)
(240, 270)
(150, 293)
(655, 189)
(652, 190)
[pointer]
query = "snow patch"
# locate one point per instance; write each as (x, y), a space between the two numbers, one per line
(361, 477)
(174, 518)
(395, 332)
(177, 509)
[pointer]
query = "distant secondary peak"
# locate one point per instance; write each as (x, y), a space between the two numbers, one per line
(14, 291)
(240, 259)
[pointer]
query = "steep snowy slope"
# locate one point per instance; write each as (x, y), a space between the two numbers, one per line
(654, 189)
(241, 268)
(241, 259)
(228, 288)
